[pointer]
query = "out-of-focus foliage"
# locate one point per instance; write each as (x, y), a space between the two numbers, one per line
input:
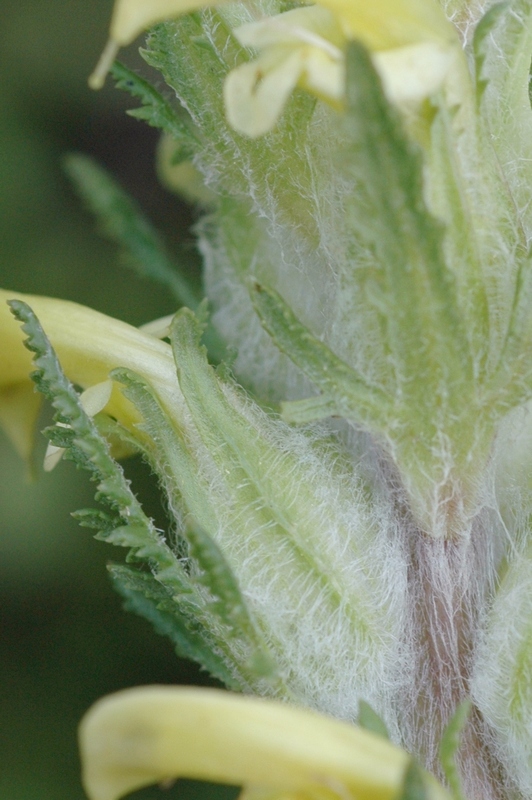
(65, 640)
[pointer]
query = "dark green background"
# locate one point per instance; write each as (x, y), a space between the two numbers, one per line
(64, 639)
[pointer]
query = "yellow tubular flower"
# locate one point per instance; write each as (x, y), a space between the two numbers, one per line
(155, 734)
(89, 346)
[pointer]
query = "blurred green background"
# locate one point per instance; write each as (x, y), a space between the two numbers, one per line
(64, 639)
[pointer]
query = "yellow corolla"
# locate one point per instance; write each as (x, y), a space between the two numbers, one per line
(382, 24)
(305, 47)
(89, 346)
(155, 734)
(302, 47)
(385, 24)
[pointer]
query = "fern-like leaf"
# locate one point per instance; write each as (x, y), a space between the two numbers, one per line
(147, 598)
(157, 111)
(122, 221)
(134, 529)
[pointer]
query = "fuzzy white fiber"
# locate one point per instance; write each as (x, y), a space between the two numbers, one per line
(323, 570)
(353, 597)
(353, 601)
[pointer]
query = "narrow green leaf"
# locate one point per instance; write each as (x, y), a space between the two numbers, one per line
(344, 390)
(389, 217)
(123, 222)
(145, 597)
(449, 745)
(480, 43)
(220, 581)
(157, 111)
(370, 720)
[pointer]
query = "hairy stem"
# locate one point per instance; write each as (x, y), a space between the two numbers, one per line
(449, 582)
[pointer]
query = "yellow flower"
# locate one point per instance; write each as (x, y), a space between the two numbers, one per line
(305, 47)
(391, 23)
(155, 734)
(89, 345)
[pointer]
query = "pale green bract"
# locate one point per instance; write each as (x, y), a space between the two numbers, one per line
(351, 500)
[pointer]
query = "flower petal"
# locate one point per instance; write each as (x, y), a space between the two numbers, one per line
(95, 398)
(131, 17)
(19, 409)
(323, 76)
(89, 345)
(255, 93)
(307, 25)
(392, 23)
(152, 734)
(411, 74)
